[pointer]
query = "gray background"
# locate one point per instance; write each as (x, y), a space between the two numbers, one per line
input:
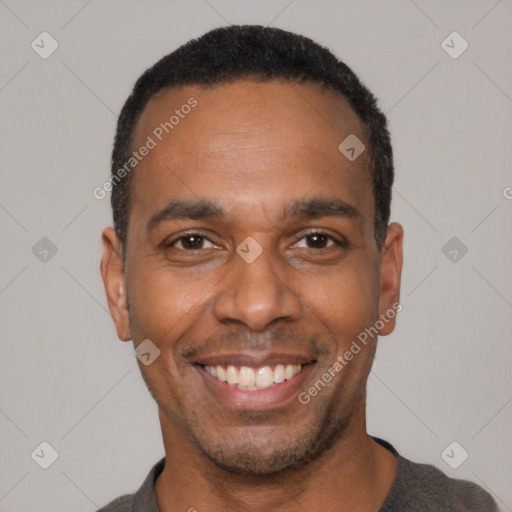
(443, 376)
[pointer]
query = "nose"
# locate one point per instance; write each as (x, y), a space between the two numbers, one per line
(256, 295)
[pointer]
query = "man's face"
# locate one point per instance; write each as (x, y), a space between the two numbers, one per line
(207, 297)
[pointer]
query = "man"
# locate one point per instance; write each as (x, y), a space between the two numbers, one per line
(252, 263)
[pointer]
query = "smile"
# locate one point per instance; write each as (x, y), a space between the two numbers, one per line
(252, 379)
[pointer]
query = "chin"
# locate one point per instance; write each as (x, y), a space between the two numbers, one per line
(272, 450)
(252, 460)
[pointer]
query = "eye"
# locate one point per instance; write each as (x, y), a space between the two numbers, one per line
(319, 240)
(190, 242)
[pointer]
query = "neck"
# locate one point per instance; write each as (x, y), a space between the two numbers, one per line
(355, 474)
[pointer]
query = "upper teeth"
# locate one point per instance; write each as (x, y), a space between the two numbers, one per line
(254, 378)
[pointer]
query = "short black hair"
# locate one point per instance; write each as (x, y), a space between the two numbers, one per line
(243, 51)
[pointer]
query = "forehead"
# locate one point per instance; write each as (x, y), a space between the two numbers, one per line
(307, 112)
(248, 141)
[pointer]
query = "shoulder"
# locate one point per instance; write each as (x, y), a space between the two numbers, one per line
(143, 499)
(121, 504)
(423, 487)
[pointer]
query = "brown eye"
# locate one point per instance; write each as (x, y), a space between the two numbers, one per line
(190, 242)
(318, 240)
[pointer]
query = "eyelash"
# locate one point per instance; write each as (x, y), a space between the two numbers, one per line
(337, 242)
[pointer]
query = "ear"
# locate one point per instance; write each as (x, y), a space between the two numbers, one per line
(390, 275)
(112, 272)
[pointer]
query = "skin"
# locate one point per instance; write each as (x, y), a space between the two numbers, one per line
(254, 147)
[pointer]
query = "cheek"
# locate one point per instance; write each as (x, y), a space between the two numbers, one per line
(164, 309)
(163, 300)
(344, 300)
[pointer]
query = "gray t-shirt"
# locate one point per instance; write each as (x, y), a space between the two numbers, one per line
(416, 488)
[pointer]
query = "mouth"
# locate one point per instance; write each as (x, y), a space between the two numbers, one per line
(252, 379)
(249, 382)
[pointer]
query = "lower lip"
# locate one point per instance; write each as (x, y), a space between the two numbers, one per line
(268, 398)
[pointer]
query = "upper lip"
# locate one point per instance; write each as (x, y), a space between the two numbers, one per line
(253, 359)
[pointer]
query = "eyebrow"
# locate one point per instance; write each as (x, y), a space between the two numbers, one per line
(179, 209)
(204, 209)
(318, 207)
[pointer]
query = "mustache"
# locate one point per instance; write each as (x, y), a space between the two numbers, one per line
(239, 340)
